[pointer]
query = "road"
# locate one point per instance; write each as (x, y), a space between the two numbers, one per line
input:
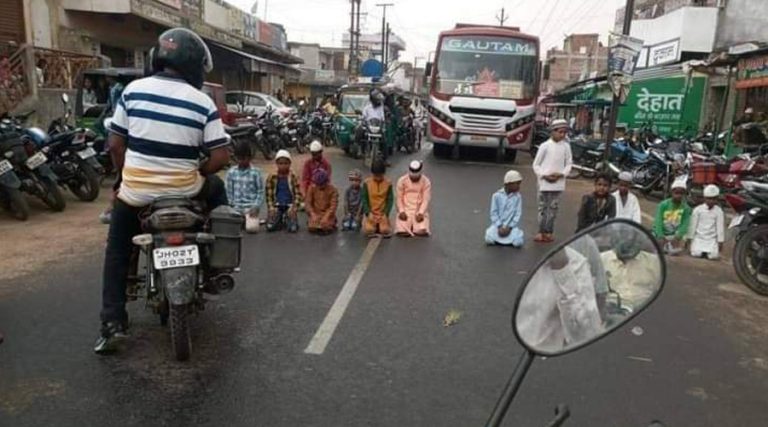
(702, 359)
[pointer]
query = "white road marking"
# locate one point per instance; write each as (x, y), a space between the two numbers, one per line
(333, 318)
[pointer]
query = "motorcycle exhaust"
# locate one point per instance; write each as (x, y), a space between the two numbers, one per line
(223, 284)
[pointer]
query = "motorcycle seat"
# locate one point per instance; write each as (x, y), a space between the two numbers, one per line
(239, 128)
(174, 202)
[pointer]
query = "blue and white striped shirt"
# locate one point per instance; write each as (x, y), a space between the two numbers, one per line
(167, 123)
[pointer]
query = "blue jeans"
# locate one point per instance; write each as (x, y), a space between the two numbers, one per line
(282, 220)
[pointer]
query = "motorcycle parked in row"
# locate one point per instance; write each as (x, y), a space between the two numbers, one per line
(750, 225)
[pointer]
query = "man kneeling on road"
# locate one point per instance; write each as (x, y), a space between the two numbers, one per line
(506, 210)
(161, 126)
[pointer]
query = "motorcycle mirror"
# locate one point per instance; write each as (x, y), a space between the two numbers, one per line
(107, 123)
(588, 287)
(65, 98)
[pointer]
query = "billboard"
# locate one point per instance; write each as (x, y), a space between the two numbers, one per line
(665, 103)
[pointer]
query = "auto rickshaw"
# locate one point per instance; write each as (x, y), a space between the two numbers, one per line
(92, 103)
(352, 99)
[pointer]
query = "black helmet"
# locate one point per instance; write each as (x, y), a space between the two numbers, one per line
(186, 53)
(149, 63)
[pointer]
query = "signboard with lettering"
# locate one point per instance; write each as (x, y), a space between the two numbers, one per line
(154, 13)
(665, 103)
(209, 32)
(489, 45)
(664, 53)
(250, 27)
(753, 72)
(642, 59)
(176, 4)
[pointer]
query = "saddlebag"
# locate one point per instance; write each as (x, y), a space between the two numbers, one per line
(226, 225)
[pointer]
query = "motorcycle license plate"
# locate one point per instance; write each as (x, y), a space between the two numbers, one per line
(5, 167)
(292, 132)
(87, 153)
(36, 161)
(175, 257)
(736, 221)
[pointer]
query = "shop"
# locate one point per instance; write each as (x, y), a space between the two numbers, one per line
(752, 82)
(589, 100)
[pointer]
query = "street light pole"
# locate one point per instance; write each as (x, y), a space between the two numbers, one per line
(611, 133)
(384, 6)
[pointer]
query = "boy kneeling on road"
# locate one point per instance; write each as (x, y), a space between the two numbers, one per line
(708, 226)
(673, 216)
(283, 196)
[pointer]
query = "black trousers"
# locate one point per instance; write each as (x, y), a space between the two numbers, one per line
(123, 226)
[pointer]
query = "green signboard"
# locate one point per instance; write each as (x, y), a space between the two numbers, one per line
(665, 103)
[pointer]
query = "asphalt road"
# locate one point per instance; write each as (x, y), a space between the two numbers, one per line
(701, 361)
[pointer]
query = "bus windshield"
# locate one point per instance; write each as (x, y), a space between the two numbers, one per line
(353, 102)
(485, 66)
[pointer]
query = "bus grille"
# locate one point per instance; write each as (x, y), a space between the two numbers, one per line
(472, 122)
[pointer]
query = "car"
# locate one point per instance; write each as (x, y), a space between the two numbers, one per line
(217, 94)
(255, 103)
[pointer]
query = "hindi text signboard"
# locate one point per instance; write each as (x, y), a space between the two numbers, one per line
(664, 103)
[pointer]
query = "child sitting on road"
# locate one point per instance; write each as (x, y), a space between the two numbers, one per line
(670, 226)
(283, 196)
(245, 188)
(321, 203)
(506, 210)
(378, 198)
(708, 226)
(353, 211)
(597, 206)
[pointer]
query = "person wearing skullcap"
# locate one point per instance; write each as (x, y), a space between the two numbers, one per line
(708, 226)
(506, 211)
(283, 196)
(673, 216)
(552, 165)
(413, 194)
(378, 197)
(317, 161)
(353, 206)
(321, 203)
(627, 205)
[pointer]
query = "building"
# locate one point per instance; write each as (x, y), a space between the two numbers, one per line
(324, 70)
(370, 46)
(248, 53)
(581, 57)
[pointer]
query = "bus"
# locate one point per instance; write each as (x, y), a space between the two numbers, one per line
(484, 84)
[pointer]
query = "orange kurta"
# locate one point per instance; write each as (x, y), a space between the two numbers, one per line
(321, 205)
(413, 199)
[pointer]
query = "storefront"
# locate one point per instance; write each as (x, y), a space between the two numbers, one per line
(590, 100)
(752, 82)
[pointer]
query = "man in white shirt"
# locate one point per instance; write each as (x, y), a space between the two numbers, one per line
(627, 205)
(552, 165)
(707, 229)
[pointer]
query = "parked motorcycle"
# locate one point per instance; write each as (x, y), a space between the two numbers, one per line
(750, 225)
(11, 197)
(580, 311)
(188, 252)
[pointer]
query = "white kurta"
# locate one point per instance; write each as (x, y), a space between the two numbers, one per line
(629, 210)
(553, 157)
(707, 231)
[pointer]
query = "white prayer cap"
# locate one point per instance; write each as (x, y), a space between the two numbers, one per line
(625, 176)
(749, 110)
(679, 183)
(559, 124)
(283, 154)
(711, 191)
(315, 147)
(415, 166)
(512, 176)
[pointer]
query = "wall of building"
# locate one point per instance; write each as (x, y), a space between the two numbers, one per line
(47, 106)
(742, 21)
(694, 26)
(582, 57)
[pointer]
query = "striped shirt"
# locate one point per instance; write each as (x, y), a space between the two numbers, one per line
(168, 123)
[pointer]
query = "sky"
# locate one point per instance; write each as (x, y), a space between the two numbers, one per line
(419, 22)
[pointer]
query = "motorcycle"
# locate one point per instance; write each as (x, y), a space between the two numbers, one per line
(750, 255)
(188, 253)
(30, 164)
(587, 158)
(11, 197)
(580, 311)
(373, 143)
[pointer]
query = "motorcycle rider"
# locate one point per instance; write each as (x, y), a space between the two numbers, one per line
(161, 126)
(373, 110)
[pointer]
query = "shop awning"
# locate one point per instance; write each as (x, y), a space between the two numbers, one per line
(257, 64)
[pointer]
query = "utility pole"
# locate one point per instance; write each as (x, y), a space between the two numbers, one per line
(503, 18)
(351, 65)
(386, 49)
(629, 10)
(384, 6)
(357, 39)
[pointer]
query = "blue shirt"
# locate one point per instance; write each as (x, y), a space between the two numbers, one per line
(283, 193)
(506, 209)
(245, 188)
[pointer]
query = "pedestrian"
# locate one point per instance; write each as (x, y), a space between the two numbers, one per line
(321, 203)
(245, 187)
(378, 198)
(506, 211)
(283, 196)
(414, 192)
(670, 226)
(317, 161)
(552, 165)
(597, 206)
(353, 206)
(707, 230)
(627, 205)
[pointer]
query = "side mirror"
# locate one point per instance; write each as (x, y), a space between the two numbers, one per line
(588, 287)
(65, 98)
(428, 70)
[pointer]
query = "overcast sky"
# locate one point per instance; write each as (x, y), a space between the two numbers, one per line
(419, 22)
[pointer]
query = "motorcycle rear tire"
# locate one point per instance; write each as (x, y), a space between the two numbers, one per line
(15, 203)
(52, 196)
(741, 255)
(181, 338)
(89, 181)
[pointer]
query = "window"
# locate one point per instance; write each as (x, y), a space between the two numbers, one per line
(256, 101)
(234, 98)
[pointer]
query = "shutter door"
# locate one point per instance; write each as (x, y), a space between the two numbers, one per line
(12, 21)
